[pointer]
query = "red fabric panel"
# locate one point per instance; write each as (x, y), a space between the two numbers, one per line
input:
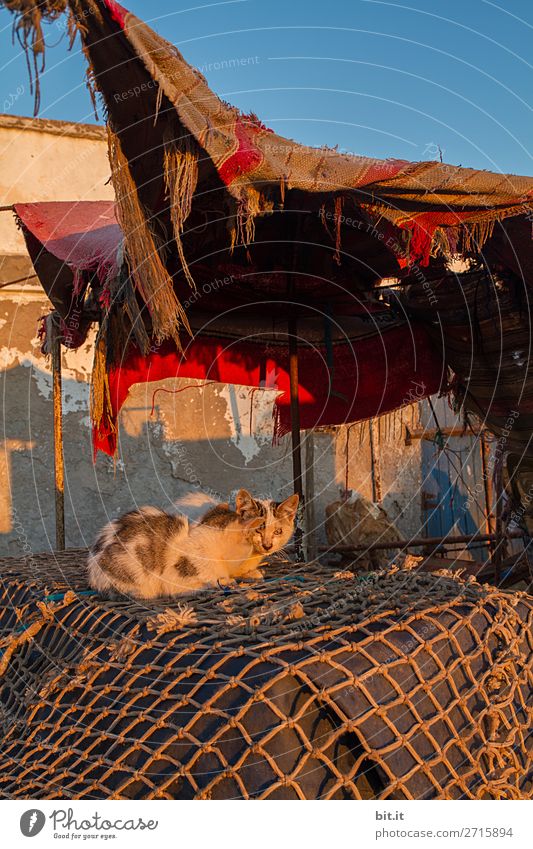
(379, 170)
(117, 12)
(83, 234)
(421, 227)
(245, 158)
(376, 375)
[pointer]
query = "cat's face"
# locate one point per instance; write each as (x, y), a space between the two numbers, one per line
(269, 525)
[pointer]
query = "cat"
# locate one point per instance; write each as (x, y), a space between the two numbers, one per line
(149, 553)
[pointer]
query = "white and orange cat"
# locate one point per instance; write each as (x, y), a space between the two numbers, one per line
(149, 553)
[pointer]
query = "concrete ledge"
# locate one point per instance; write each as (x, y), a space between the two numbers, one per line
(56, 128)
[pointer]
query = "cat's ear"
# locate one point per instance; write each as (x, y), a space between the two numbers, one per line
(287, 509)
(244, 502)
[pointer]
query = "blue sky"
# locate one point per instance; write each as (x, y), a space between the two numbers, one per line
(376, 78)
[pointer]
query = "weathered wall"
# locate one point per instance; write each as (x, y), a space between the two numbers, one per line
(193, 438)
(48, 160)
(398, 465)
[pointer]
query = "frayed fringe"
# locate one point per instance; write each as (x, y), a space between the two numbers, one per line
(467, 238)
(101, 409)
(248, 207)
(419, 242)
(27, 26)
(181, 176)
(123, 319)
(142, 250)
(475, 235)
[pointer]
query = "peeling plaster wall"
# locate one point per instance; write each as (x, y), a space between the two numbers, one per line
(174, 438)
(400, 466)
(192, 439)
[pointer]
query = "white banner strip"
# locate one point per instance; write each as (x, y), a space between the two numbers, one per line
(280, 825)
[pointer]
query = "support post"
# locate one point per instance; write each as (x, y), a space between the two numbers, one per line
(295, 408)
(59, 470)
(374, 460)
(295, 423)
(500, 547)
(485, 463)
(310, 518)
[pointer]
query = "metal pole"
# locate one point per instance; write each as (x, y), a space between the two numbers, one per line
(416, 542)
(485, 458)
(295, 407)
(374, 460)
(295, 425)
(499, 551)
(59, 470)
(310, 519)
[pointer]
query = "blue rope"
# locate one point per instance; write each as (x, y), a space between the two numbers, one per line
(61, 596)
(52, 597)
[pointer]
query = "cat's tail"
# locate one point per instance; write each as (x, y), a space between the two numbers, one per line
(194, 505)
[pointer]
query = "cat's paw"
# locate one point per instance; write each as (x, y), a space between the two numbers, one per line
(255, 575)
(226, 582)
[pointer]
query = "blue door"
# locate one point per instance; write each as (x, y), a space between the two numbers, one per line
(452, 491)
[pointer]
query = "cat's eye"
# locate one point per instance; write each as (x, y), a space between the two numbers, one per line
(277, 531)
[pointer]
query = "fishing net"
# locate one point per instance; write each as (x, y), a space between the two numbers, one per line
(311, 684)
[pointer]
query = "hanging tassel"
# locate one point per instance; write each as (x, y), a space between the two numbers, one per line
(29, 16)
(142, 251)
(180, 162)
(248, 207)
(475, 234)
(101, 409)
(282, 183)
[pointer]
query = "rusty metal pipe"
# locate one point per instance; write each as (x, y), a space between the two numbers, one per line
(416, 542)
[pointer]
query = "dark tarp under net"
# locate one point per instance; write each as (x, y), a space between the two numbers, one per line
(311, 684)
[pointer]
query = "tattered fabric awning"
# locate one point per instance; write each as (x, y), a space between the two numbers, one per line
(363, 364)
(205, 193)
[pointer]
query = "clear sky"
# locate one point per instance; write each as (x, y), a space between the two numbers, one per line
(375, 77)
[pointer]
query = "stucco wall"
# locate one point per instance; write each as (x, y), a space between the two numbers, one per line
(193, 438)
(48, 160)
(174, 438)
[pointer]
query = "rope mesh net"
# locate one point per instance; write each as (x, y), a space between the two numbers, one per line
(312, 684)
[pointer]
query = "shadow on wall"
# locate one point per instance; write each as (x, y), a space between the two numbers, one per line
(152, 468)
